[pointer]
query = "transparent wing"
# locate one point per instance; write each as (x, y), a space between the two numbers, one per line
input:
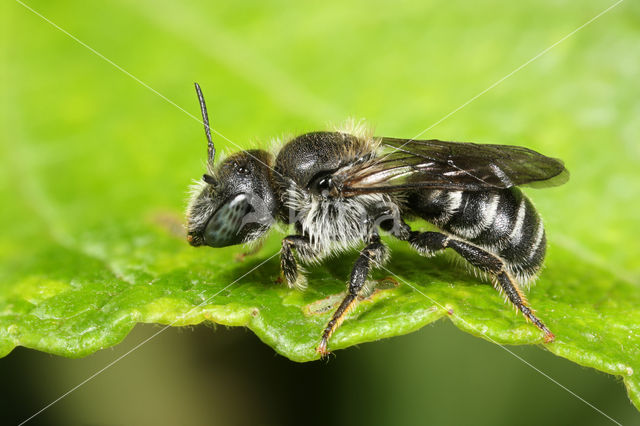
(410, 164)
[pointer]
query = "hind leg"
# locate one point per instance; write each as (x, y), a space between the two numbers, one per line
(430, 242)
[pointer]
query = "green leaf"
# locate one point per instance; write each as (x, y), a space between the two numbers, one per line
(95, 167)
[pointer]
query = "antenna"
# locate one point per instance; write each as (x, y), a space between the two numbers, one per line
(211, 151)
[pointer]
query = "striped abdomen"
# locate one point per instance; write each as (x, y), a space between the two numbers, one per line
(503, 222)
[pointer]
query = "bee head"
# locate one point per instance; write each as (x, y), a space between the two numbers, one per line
(234, 203)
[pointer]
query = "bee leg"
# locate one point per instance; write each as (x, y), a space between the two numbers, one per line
(375, 252)
(288, 262)
(429, 242)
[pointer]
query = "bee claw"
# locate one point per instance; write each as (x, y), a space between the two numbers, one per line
(549, 337)
(322, 349)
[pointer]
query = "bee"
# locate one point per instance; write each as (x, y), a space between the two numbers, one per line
(340, 190)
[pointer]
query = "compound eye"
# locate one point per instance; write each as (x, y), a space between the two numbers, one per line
(226, 227)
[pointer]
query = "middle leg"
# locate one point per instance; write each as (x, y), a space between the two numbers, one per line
(375, 252)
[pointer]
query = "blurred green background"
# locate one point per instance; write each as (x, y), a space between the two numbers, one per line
(84, 147)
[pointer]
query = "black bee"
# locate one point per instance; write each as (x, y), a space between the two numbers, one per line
(339, 189)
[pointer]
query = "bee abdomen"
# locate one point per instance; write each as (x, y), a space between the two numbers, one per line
(503, 222)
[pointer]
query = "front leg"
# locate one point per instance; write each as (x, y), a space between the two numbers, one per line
(291, 271)
(375, 252)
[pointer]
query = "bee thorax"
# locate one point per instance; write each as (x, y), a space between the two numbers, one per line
(333, 225)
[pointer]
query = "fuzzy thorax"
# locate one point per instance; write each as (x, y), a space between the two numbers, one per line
(333, 225)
